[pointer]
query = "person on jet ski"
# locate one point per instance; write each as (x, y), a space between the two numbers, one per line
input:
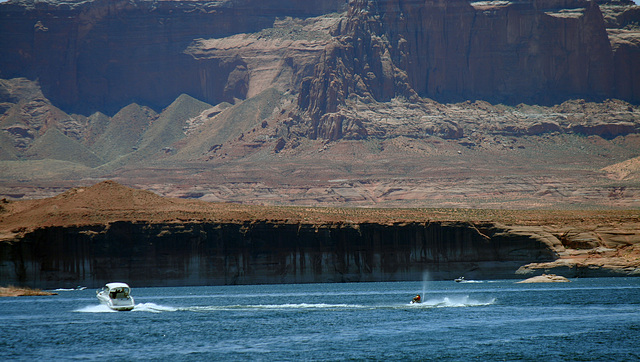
(416, 299)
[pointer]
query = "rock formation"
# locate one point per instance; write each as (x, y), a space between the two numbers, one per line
(102, 55)
(23, 292)
(546, 278)
(335, 102)
(530, 52)
(88, 236)
(202, 253)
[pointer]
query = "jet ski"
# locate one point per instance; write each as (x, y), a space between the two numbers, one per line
(416, 299)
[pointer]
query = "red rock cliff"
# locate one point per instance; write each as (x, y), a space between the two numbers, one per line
(537, 52)
(105, 54)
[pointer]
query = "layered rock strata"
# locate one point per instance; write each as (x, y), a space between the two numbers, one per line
(264, 252)
(102, 55)
(534, 52)
(88, 236)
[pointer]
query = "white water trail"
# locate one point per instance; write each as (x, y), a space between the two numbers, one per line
(458, 301)
(447, 301)
(69, 289)
(141, 307)
(288, 306)
(99, 308)
(153, 308)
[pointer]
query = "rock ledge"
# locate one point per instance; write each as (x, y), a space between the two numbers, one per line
(546, 278)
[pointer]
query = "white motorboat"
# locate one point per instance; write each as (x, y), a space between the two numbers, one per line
(116, 296)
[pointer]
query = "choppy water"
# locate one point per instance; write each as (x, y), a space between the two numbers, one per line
(587, 319)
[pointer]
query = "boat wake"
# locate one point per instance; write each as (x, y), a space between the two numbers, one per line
(100, 308)
(308, 306)
(299, 306)
(453, 302)
(444, 302)
(69, 289)
(142, 307)
(153, 308)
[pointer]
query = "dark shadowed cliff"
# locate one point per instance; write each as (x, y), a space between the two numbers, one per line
(249, 252)
(88, 236)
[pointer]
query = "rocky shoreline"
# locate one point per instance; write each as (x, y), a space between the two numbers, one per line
(546, 278)
(11, 291)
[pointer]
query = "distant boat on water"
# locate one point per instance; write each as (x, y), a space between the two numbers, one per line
(116, 296)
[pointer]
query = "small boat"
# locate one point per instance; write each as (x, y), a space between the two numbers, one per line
(460, 280)
(116, 296)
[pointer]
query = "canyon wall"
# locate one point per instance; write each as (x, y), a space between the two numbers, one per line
(531, 52)
(103, 55)
(166, 254)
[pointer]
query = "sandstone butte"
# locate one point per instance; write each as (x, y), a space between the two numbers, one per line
(575, 243)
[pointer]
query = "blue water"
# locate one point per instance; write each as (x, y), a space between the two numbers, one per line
(585, 320)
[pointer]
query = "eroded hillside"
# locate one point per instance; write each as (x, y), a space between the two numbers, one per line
(372, 103)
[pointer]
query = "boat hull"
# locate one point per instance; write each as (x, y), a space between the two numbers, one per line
(120, 304)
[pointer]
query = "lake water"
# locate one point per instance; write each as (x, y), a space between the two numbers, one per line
(587, 319)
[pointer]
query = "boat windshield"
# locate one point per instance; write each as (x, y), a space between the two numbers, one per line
(119, 293)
